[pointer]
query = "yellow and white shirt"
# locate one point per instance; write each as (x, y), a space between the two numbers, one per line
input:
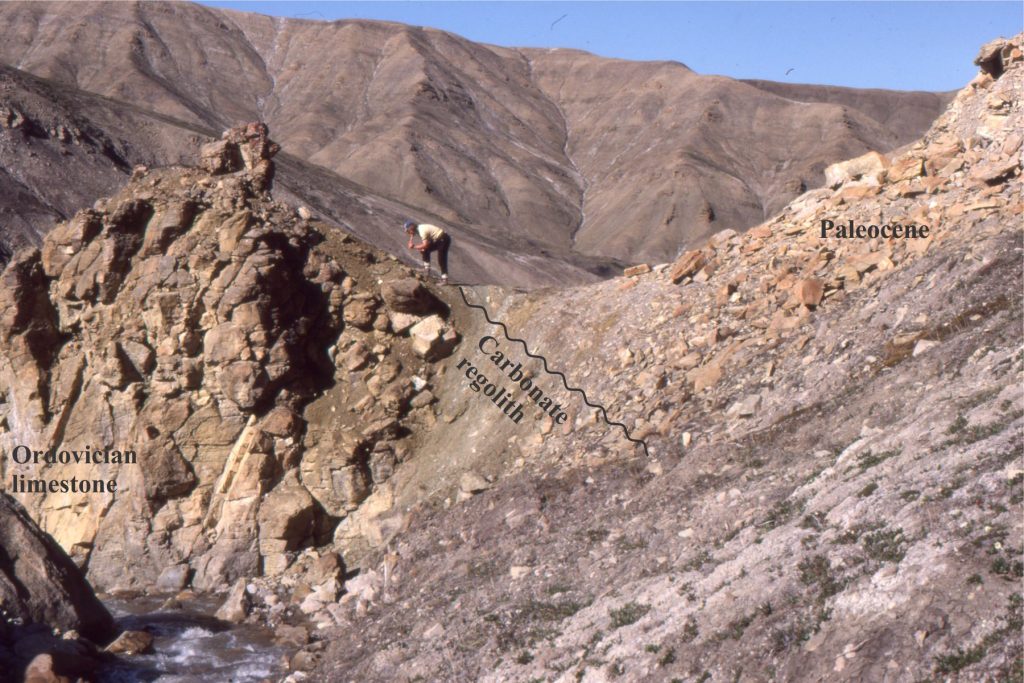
(429, 233)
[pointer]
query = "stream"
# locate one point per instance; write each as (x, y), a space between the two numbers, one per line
(191, 646)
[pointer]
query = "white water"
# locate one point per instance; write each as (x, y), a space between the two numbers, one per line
(192, 647)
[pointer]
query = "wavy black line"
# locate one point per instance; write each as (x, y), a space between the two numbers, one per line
(565, 382)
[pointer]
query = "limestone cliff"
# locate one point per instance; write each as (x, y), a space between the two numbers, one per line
(190, 318)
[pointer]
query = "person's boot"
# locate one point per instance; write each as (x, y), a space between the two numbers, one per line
(426, 270)
(444, 278)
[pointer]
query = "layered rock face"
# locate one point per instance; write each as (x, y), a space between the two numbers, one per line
(190, 319)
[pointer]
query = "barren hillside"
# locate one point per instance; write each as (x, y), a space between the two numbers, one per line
(534, 158)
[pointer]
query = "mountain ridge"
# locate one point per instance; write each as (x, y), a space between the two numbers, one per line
(586, 161)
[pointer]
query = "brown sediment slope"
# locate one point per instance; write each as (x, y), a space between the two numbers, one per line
(548, 165)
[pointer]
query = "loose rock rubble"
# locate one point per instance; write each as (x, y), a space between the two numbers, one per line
(836, 487)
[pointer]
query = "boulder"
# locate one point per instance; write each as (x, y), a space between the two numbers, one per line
(432, 338)
(55, 659)
(131, 643)
(704, 377)
(39, 583)
(173, 578)
(471, 482)
(400, 322)
(995, 172)
(746, 407)
(236, 606)
(870, 165)
(408, 295)
(361, 313)
(356, 357)
(687, 264)
(42, 669)
(810, 291)
(905, 168)
(289, 514)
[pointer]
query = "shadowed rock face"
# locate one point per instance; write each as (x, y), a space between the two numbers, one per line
(39, 584)
(547, 165)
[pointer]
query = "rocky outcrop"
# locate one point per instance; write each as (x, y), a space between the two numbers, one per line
(191, 319)
(834, 491)
(39, 584)
(50, 619)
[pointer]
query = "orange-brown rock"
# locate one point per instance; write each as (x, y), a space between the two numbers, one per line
(855, 191)
(705, 376)
(204, 348)
(636, 270)
(810, 291)
(905, 168)
(687, 264)
(996, 171)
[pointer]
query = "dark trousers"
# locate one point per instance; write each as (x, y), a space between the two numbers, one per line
(441, 247)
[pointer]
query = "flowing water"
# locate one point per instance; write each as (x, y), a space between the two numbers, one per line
(190, 646)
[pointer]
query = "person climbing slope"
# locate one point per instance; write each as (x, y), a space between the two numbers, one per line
(432, 238)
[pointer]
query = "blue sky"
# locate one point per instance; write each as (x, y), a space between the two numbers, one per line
(901, 45)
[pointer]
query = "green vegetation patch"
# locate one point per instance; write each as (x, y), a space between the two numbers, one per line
(630, 613)
(867, 459)
(885, 545)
